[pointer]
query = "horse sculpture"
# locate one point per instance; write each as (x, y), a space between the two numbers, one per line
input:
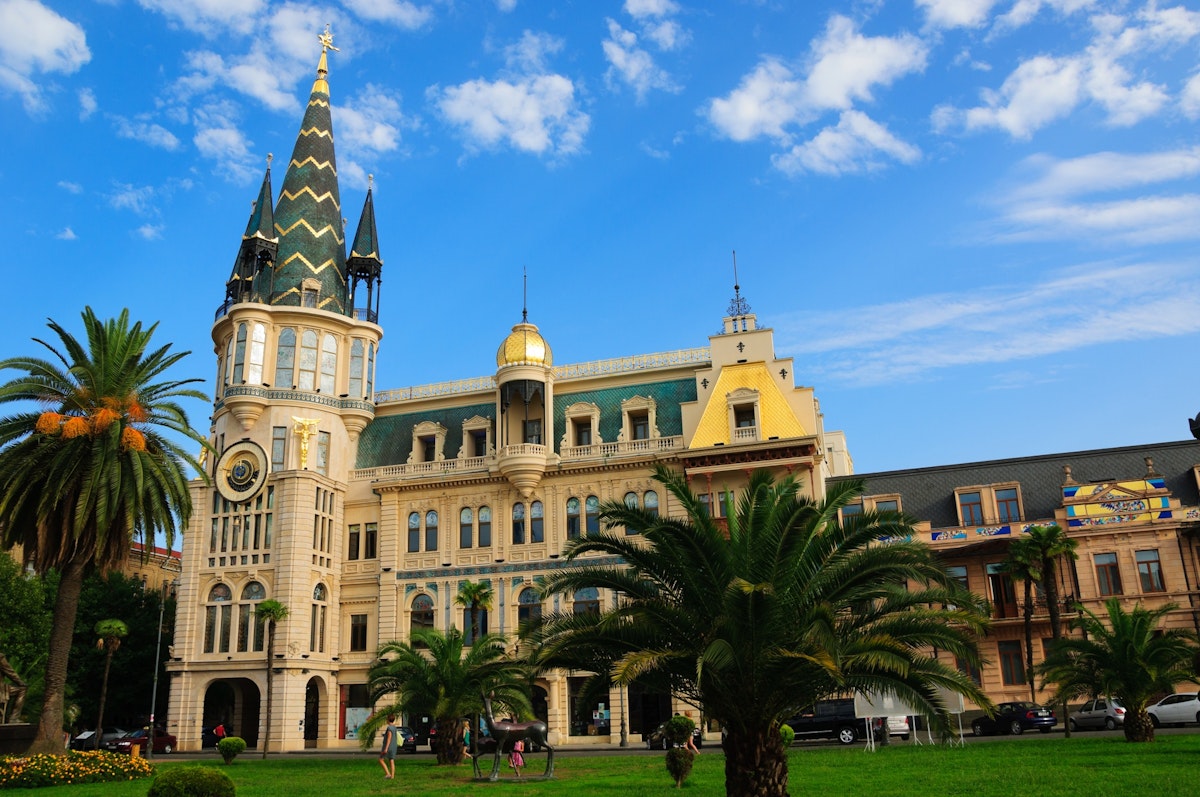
(506, 733)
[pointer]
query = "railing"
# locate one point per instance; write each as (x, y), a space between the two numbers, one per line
(624, 448)
(364, 314)
(743, 434)
(415, 469)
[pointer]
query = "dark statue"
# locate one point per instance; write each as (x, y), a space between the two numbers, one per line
(506, 732)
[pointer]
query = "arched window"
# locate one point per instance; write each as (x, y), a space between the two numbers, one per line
(356, 368)
(587, 601)
(466, 528)
(252, 593)
(431, 531)
(572, 518)
(518, 526)
(593, 515)
(218, 615)
(420, 617)
(485, 527)
(529, 606)
(316, 627)
(285, 359)
(414, 532)
(308, 360)
(650, 503)
(239, 356)
(328, 364)
(631, 501)
(225, 375)
(258, 350)
(537, 532)
(370, 372)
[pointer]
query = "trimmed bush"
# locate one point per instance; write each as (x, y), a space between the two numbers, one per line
(192, 782)
(788, 734)
(679, 764)
(231, 747)
(679, 729)
(91, 766)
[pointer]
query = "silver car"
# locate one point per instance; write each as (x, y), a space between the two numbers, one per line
(1103, 712)
(1177, 709)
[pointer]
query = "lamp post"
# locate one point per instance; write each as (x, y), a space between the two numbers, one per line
(162, 607)
(624, 732)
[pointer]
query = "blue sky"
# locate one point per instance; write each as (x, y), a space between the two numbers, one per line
(973, 223)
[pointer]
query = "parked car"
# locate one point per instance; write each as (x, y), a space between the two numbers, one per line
(1177, 709)
(835, 719)
(163, 742)
(1016, 718)
(1101, 712)
(87, 739)
(407, 739)
(657, 738)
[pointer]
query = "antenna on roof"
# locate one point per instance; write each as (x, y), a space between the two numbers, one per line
(738, 306)
(524, 295)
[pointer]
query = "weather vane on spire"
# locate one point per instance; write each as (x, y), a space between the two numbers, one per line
(326, 39)
(738, 306)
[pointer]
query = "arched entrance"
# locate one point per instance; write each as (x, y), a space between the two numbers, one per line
(233, 702)
(541, 706)
(314, 700)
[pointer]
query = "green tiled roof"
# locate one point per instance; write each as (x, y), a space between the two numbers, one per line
(667, 396)
(388, 440)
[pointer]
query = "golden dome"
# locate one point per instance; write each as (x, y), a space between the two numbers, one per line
(524, 346)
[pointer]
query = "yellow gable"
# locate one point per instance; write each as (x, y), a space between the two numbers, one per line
(775, 415)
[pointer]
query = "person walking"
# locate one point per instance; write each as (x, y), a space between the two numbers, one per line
(387, 751)
(515, 759)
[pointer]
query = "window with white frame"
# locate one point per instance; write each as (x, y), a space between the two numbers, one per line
(639, 419)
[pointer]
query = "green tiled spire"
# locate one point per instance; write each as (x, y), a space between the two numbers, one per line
(308, 218)
(364, 264)
(366, 240)
(257, 252)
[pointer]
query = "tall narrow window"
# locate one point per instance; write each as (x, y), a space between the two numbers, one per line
(285, 359)
(431, 531)
(631, 502)
(316, 629)
(250, 632)
(518, 524)
(217, 617)
(258, 350)
(466, 528)
(971, 507)
(239, 356)
(485, 527)
(323, 453)
(650, 503)
(356, 368)
(537, 532)
(308, 297)
(328, 364)
(639, 423)
(414, 532)
(1008, 508)
(308, 360)
(278, 447)
(370, 375)
(420, 616)
(533, 431)
(353, 542)
(1150, 571)
(529, 606)
(1108, 574)
(1012, 663)
(358, 632)
(370, 541)
(1004, 595)
(572, 518)
(592, 515)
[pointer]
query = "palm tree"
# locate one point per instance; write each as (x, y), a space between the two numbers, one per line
(271, 612)
(1024, 562)
(1049, 544)
(1124, 655)
(111, 632)
(438, 675)
(86, 471)
(476, 597)
(786, 608)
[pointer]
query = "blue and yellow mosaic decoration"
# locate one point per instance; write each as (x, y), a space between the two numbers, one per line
(1120, 502)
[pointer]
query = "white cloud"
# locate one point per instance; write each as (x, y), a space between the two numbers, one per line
(631, 64)
(506, 6)
(642, 9)
(137, 199)
(401, 13)
(87, 104)
(253, 74)
(66, 234)
(146, 132)
(847, 65)
(219, 139)
(764, 104)
(1041, 90)
(149, 232)
(956, 13)
(1106, 171)
(210, 17)
(1079, 307)
(1189, 99)
(370, 123)
(1140, 220)
(856, 144)
(70, 187)
(37, 41)
(667, 35)
(537, 113)
(532, 51)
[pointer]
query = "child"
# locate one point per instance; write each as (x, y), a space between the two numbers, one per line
(515, 759)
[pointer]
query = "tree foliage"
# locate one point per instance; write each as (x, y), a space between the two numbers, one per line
(26, 612)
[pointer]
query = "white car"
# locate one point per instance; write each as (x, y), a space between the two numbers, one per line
(1103, 712)
(1177, 709)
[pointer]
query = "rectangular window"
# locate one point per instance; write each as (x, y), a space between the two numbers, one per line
(485, 528)
(1108, 575)
(323, 453)
(371, 541)
(959, 574)
(969, 669)
(243, 631)
(639, 424)
(414, 539)
(278, 446)
(479, 436)
(1004, 594)
(428, 449)
(1150, 571)
(466, 530)
(706, 503)
(1008, 508)
(890, 505)
(971, 507)
(533, 431)
(352, 543)
(743, 416)
(583, 433)
(1012, 663)
(358, 632)
(851, 510)
(721, 498)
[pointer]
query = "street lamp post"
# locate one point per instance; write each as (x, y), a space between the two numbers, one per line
(624, 732)
(162, 607)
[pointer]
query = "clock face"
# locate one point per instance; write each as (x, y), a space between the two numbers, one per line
(241, 472)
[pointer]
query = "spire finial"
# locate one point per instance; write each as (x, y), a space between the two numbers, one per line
(738, 306)
(370, 181)
(326, 40)
(270, 158)
(524, 295)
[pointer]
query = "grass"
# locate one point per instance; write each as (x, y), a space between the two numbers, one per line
(1076, 766)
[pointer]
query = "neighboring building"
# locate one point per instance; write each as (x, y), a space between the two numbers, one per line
(364, 511)
(1134, 512)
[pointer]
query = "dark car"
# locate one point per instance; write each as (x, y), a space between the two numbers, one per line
(836, 719)
(1016, 718)
(87, 739)
(407, 739)
(163, 742)
(657, 738)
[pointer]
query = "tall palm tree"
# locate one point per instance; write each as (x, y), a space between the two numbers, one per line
(87, 471)
(111, 632)
(271, 612)
(1049, 544)
(786, 608)
(436, 674)
(1024, 562)
(1124, 655)
(476, 597)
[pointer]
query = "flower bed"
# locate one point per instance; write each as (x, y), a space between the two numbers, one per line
(92, 766)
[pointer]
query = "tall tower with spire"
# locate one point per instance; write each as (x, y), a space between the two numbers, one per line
(295, 388)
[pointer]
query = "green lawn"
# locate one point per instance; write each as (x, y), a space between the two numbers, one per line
(1079, 766)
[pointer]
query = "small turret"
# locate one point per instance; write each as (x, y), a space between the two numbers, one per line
(364, 263)
(257, 252)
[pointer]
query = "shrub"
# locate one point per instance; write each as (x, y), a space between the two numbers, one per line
(192, 782)
(679, 764)
(788, 734)
(230, 747)
(679, 729)
(92, 766)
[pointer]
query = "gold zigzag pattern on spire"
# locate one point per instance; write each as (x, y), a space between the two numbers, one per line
(314, 232)
(319, 164)
(314, 269)
(279, 298)
(291, 197)
(316, 131)
(318, 101)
